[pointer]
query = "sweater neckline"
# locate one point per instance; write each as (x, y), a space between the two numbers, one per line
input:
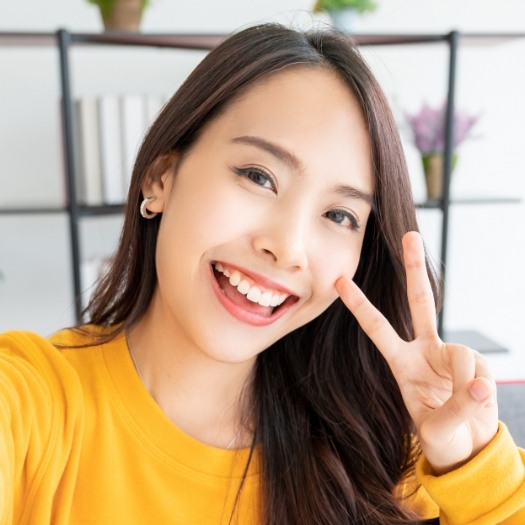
(157, 433)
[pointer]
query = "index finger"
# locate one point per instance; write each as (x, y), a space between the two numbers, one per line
(371, 320)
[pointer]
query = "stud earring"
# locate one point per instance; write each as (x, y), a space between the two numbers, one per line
(143, 210)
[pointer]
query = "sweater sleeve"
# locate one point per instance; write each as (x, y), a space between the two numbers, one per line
(40, 423)
(487, 490)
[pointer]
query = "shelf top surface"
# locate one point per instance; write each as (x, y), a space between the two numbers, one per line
(210, 40)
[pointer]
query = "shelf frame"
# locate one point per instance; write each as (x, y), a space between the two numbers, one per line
(64, 40)
(453, 41)
(64, 44)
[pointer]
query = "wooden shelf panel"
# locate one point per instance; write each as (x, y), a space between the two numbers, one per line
(189, 41)
(207, 41)
(180, 41)
(27, 39)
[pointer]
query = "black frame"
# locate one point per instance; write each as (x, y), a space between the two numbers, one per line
(64, 40)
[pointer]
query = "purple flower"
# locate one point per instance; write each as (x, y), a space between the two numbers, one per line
(428, 128)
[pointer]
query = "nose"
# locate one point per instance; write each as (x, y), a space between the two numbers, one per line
(284, 241)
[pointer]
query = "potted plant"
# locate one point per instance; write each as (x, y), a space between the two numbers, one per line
(344, 12)
(121, 15)
(428, 133)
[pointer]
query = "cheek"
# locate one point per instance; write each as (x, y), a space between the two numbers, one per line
(196, 225)
(167, 258)
(335, 263)
(216, 215)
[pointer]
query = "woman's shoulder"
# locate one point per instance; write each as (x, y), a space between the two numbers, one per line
(83, 336)
(36, 381)
(18, 345)
(28, 357)
(41, 410)
(35, 348)
(20, 340)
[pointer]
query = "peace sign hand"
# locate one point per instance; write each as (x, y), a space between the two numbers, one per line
(447, 388)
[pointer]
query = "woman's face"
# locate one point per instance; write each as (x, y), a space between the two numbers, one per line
(266, 211)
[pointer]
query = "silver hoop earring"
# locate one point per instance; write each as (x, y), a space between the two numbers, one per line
(143, 210)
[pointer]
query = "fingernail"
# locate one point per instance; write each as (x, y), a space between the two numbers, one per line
(479, 390)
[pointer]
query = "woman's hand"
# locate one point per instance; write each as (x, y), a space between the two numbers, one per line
(447, 388)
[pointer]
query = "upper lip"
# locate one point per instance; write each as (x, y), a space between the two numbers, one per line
(260, 279)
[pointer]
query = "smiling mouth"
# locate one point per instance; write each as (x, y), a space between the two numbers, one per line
(251, 297)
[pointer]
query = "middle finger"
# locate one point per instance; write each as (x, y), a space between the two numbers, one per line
(419, 290)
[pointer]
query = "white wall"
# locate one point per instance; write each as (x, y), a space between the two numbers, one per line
(487, 243)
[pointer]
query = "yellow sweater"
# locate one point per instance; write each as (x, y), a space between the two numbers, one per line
(83, 442)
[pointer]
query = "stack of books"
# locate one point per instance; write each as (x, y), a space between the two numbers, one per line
(108, 131)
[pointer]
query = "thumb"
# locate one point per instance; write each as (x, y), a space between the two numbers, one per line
(441, 428)
(481, 390)
(460, 407)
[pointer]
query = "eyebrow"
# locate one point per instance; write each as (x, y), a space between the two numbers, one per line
(353, 193)
(290, 159)
(275, 150)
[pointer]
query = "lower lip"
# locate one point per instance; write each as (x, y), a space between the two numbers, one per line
(240, 313)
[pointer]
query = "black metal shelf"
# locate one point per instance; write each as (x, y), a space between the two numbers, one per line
(102, 209)
(83, 210)
(32, 211)
(438, 204)
(116, 209)
(64, 40)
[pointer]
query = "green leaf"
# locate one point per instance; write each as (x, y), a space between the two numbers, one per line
(361, 6)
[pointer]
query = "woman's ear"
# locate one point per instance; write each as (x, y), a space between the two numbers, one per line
(158, 180)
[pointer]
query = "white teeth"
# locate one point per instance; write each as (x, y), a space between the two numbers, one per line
(266, 299)
(253, 293)
(274, 301)
(278, 299)
(244, 287)
(235, 278)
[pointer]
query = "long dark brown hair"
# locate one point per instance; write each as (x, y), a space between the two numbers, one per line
(335, 435)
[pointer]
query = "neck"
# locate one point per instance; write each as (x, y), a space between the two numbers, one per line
(205, 398)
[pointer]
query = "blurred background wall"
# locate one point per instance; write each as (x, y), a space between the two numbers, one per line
(485, 288)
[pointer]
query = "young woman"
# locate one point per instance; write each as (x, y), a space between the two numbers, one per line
(264, 348)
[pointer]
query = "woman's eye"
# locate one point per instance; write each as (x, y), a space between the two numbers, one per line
(343, 218)
(257, 176)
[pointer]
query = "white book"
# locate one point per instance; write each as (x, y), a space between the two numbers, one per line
(78, 175)
(89, 170)
(111, 149)
(133, 121)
